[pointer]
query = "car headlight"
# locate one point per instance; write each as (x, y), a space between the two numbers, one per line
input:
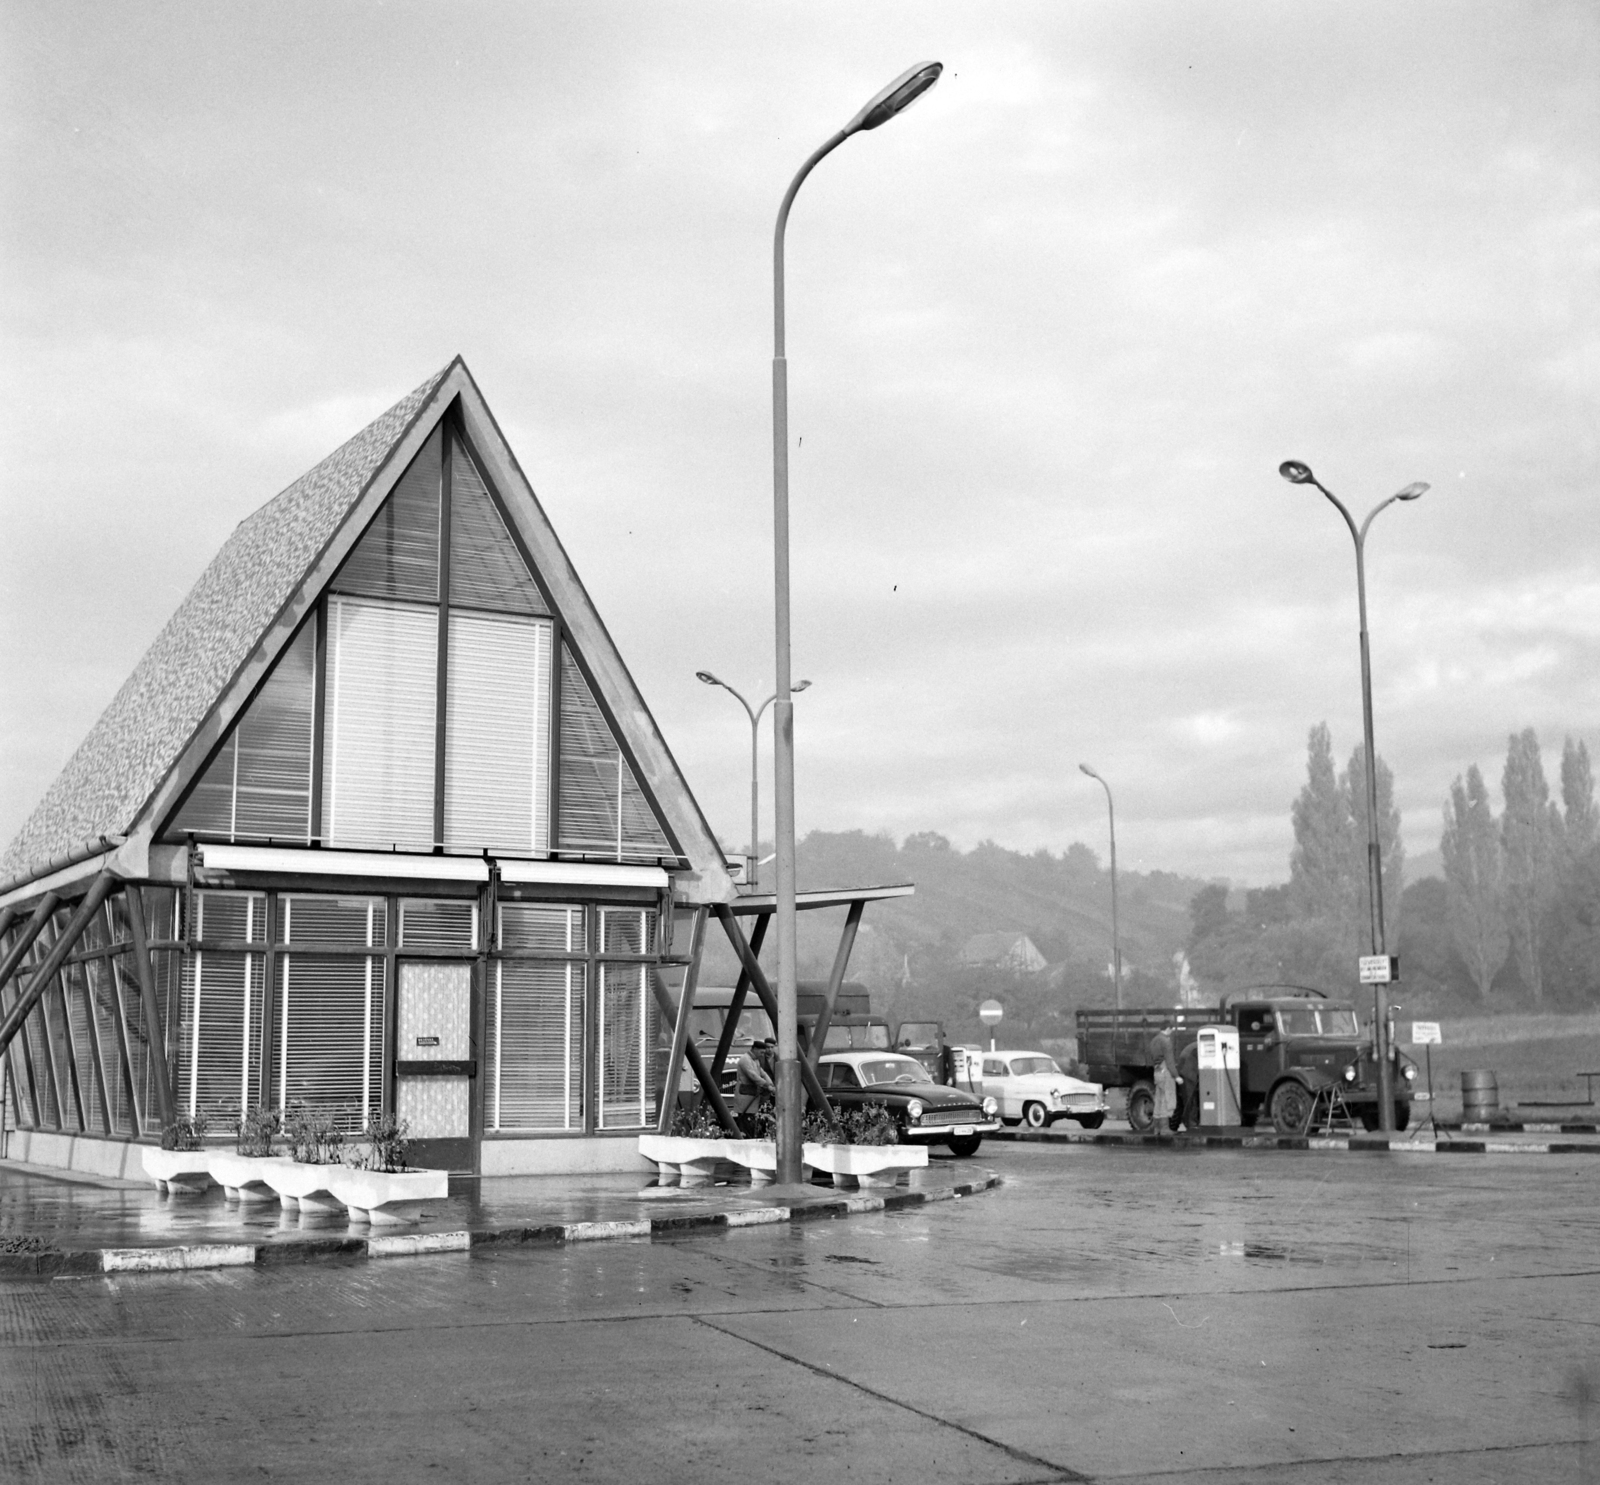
(1409, 1074)
(1350, 1073)
(991, 1106)
(914, 1110)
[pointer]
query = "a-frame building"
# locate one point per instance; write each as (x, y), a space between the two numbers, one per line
(379, 823)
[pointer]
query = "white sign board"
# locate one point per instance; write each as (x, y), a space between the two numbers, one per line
(991, 1012)
(1379, 969)
(1426, 1034)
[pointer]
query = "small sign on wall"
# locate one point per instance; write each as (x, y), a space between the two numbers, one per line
(427, 1041)
(1426, 1034)
(1379, 969)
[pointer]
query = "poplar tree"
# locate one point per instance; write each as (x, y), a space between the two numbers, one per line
(1321, 881)
(1475, 880)
(1391, 850)
(1580, 824)
(1530, 832)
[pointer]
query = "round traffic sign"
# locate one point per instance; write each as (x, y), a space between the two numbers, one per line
(991, 1012)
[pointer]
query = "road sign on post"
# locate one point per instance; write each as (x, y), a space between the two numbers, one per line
(1379, 969)
(991, 1013)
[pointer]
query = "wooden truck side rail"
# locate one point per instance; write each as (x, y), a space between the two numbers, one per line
(1114, 1046)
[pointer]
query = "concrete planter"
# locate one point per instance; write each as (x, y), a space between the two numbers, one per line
(683, 1160)
(872, 1167)
(246, 1177)
(374, 1195)
(308, 1187)
(178, 1172)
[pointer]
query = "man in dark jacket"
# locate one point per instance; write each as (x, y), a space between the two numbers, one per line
(1188, 1061)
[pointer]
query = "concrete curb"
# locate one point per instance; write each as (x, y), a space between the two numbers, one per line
(1358, 1143)
(52, 1263)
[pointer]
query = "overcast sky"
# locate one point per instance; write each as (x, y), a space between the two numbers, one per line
(1051, 333)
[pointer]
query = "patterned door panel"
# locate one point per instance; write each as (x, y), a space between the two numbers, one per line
(433, 1024)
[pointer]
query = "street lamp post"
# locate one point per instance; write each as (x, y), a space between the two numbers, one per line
(755, 723)
(879, 109)
(1116, 939)
(1298, 473)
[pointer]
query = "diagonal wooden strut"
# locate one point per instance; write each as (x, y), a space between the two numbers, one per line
(98, 891)
(730, 1022)
(696, 1061)
(841, 960)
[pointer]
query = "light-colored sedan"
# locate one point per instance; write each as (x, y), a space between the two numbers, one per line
(1032, 1090)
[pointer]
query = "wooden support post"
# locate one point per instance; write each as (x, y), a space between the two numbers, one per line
(730, 1022)
(14, 955)
(758, 982)
(680, 1026)
(119, 1010)
(841, 960)
(696, 1061)
(98, 891)
(92, 1026)
(155, 1031)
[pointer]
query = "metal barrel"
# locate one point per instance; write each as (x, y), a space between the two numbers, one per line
(1480, 1096)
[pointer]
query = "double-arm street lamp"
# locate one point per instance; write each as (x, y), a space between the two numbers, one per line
(882, 107)
(1116, 940)
(755, 722)
(1300, 474)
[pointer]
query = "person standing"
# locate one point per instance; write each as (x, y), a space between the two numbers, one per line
(1166, 1078)
(1188, 1074)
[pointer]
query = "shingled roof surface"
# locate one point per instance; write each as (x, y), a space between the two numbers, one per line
(151, 719)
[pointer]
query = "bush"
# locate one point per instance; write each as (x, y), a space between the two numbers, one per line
(256, 1129)
(872, 1124)
(699, 1123)
(387, 1146)
(186, 1132)
(314, 1137)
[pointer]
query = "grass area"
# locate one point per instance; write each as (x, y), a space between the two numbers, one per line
(1533, 1057)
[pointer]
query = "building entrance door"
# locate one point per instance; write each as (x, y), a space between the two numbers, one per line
(435, 1070)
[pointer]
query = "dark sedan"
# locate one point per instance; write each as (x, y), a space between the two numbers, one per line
(926, 1113)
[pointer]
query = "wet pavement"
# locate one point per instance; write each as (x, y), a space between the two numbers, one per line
(1107, 1313)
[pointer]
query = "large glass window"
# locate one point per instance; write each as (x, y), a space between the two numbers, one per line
(627, 1019)
(220, 1011)
(378, 755)
(534, 1065)
(329, 1010)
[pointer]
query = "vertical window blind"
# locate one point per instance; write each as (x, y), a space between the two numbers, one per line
(398, 554)
(536, 1020)
(378, 756)
(329, 1009)
(497, 748)
(486, 569)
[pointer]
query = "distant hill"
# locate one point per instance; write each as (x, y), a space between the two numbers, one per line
(909, 950)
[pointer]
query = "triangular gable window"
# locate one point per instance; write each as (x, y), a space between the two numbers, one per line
(258, 787)
(603, 810)
(382, 679)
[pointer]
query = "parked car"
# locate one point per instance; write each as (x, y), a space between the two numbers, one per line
(1032, 1090)
(925, 1112)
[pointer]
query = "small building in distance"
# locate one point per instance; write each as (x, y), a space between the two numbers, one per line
(1012, 951)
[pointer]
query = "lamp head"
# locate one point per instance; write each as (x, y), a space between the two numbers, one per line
(707, 677)
(1412, 492)
(1296, 472)
(798, 687)
(897, 97)
(1084, 768)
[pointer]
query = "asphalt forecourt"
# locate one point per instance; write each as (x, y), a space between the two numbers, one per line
(140, 1224)
(1399, 1144)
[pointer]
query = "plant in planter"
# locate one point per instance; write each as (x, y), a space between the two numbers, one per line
(387, 1146)
(314, 1136)
(871, 1124)
(375, 1184)
(186, 1132)
(255, 1130)
(699, 1123)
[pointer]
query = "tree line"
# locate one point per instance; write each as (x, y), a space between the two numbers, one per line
(1515, 920)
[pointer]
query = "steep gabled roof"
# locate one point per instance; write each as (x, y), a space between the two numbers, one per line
(193, 682)
(131, 748)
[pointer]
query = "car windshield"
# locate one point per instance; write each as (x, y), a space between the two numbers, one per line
(1023, 1067)
(1319, 1021)
(893, 1070)
(872, 1037)
(919, 1034)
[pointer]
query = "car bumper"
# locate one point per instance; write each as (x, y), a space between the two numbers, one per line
(937, 1134)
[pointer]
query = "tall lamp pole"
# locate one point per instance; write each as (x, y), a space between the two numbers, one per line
(882, 107)
(1116, 939)
(1298, 473)
(755, 797)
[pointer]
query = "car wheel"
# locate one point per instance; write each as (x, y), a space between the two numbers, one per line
(1034, 1115)
(1142, 1108)
(1291, 1108)
(1402, 1117)
(1091, 1121)
(965, 1145)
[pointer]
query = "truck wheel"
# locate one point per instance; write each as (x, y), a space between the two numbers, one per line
(1091, 1121)
(1142, 1108)
(1402, 1117)
(965, 1145)
(1034, 1116)
(1291, 1108)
